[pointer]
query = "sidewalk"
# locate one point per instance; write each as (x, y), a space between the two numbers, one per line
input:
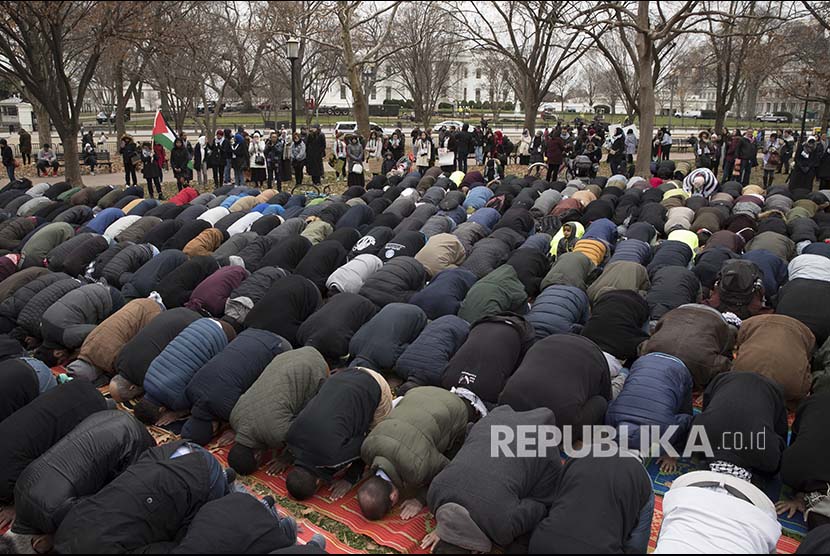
(99, 179)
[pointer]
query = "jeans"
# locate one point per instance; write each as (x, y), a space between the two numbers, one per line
(10, 172)
(637, 542)
(286, 525)
(157, 182)
(298, 171)
(616, 166)
(769, 176)
(274, 174)
(746, 172)
(666, 150)
(201, 175)
(462, 162)
(227, 175)
(217, 177)
(479, 155)
(239, 177)
(42, 165)
(129, 173)
(728, 168)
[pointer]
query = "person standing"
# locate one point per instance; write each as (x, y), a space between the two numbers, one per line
(129, 157)
(463, 146)
(786, 152)
(151, 170)
(102, 141)
(704, 150)
(227, 155)
(731, 143)
(258, 163)
(199, 161)
(823, 169)
(213, 158)
(179, 160)
(555, 152)
(804, 168)
(537, 148)
(356, 156)
(478, 145)
(772, 159)
(297, 157)
(374, 152)
(90, 157)
(315, 152)
(239, 156)
(25, 144)
(274, 147)
(524, 148)
(630, 146)
(616, 154)
(747, 153)
(423, 153)
(665, 144)
(339, 157)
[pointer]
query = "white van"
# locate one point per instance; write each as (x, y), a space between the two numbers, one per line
(351, 127)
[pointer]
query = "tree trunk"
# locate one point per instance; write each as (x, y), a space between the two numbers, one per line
(825, 116)
(120, 100)
(353, 71)
(137, 97)
(72, 165)
(646, 90)
(531, 106)
(44, 126)
(720, 119)
(750, 101)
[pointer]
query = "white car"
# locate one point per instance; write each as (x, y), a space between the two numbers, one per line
(694, 114)
(351, 127)
(437, 127)
(773, 118)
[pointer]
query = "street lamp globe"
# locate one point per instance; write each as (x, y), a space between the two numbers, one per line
(292, 48)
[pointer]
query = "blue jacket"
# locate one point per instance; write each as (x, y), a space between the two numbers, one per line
(230, 201)
(538, 241)
(632, 250)
(487, 217)
(557, 310)
(266, 209)
(103, 220)
(444, 294)
(170, 372)
(602, 229)
(658, 391)
(217, 386)
(426, 358)
(773, 268)
(477, 197)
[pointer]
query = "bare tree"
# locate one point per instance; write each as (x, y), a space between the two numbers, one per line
(540, 39)
(426, 71)
(564, 89)
(53, 49)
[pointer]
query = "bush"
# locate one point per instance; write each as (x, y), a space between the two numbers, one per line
(508, 106)
(393, 102)
(444, 106)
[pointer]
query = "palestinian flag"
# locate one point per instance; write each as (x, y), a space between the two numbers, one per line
(162, 134)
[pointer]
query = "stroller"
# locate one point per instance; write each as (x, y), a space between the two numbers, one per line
(582, 166)
(403, 166)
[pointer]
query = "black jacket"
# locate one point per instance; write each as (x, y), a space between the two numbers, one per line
(493, 350)
(156, 498)
(39, 425)
(749, 404)
(320, 261)
(100, 448)
(395, 282)
(179, 283)
(18, 384)
(804, 466)
(330, 429)
(285, 306)
(330, 329)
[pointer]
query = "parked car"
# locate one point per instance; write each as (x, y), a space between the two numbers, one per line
(447, 123)
(694, 114)
(773, 118)
(351, 127)
(335, 111)
(102, 118)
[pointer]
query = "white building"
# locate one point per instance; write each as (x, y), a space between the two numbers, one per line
(99, 97)
(14, 112)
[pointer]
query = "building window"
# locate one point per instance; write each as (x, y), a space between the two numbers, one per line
(342, 92)
(465, 94)
(478, 73)
(388, 93)
(374, 93)
(466, 72)
(478, 95)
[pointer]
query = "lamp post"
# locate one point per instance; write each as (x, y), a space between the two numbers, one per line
(804, 116)
(292, 51)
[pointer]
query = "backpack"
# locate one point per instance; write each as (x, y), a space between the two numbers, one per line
(738, 282)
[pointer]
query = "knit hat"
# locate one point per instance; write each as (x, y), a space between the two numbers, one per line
(239, 138)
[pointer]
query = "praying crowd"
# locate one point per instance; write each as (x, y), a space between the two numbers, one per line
(368, 343)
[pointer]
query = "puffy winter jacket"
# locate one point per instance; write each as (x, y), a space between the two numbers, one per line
(242, 299)
(69, 320)
(103, 220)
(264, 412)
(773, 268)
(350, 277)
(32, 314)
(56, 258)
(330, 329)
(487, 255)
(500, 291)
(147, 278)
(120, 269)
(22, 287)
(441, 252)
(218, 384)
(445, 292)
(91, 455)
(170, 372)
(44, 240)
(396, 282)
(670, 253)
(622, 275)
(378, 343)
(558, 310)
(180, 282)
(658, 391)
(212, 293)
(409, 444)
(570, 269)
(425, 360)
(632, 250)
(205, 243)
(671, 287)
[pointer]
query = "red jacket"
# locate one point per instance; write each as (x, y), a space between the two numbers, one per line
(555, 151)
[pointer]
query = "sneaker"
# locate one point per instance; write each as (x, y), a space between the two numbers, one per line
(319, 540)
(230, 475)
(269, 501)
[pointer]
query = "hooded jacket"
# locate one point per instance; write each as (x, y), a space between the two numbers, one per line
(44, 240)
(487, 254)
(558, 310)
(119, 270)
(425, 359)
(698, 336)
(33, 429)
(567, 374)
(671, 287)
(777, 347)
(141, 350)
(212, 293)
(204, 244)
(807, 301)
(180, 282)
(350, 277)
(519, 490)
(284, 307)
(242, 299)
(493, 350)
(156, 497)
(80, 464)
(395, 282)
(658, 391)
(150, 275)
(409, 445)
(378, 343)
(670, 253)
(445, 292)
(330, 329)
(622, 275)
(58, 255)
(170, 372)
(530, 266)
(441, 252)
(321, 261)
(264, 412)
(19, 385)
(69, 320)
(217, 385)
(470, 233)
(373, 241)
(500, 291)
